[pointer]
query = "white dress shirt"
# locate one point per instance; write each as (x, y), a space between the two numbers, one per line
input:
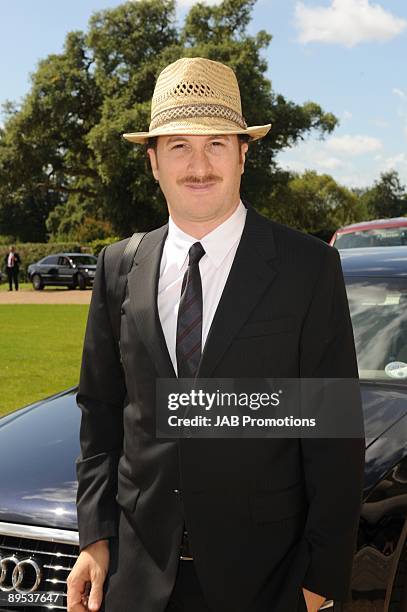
(10, 261)
(220, 246)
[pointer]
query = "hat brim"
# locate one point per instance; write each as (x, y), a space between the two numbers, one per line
(255, 132)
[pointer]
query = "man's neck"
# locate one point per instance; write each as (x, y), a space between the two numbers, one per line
(199, 229)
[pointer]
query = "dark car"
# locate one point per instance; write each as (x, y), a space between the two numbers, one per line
(39, 445)
(69, 269)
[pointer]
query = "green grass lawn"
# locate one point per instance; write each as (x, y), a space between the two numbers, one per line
(4, 286)
(29, 287)
(40, 351)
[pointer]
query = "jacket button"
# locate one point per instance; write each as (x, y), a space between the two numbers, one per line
(177, 491)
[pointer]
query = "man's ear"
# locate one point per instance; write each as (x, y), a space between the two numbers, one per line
(152, 154)
(244, 147)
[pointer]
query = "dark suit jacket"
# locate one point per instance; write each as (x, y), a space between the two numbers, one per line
(17, 260)
(265, 516)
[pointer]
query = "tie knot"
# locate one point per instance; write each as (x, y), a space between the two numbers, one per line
(195, 253)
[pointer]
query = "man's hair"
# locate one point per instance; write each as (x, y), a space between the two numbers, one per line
(152, 141)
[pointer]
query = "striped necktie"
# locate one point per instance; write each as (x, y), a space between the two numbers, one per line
(189, 322)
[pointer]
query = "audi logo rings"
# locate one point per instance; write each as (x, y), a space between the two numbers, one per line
(26, 570)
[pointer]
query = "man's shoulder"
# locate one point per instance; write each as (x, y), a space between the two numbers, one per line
(112, 255)
(290, 240)
(116, 249)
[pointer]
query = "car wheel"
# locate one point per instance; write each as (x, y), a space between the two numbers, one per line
(37, 282)
(73, 283)
(81, 281)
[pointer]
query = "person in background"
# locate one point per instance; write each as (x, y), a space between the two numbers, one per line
(12, 262)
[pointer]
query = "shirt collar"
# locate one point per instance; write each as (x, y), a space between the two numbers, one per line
(217, 243)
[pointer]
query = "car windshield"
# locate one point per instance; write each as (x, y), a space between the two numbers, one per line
(378, 308)
(385, 236)
(84, 260)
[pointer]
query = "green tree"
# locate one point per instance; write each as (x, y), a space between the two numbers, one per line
(63, 148)
(387, 198)
(315, 204)
(44, 158)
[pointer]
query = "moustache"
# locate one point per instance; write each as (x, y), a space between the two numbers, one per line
(211, 178)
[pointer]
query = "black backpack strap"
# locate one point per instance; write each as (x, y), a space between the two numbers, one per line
(119, 281)
(126, 262)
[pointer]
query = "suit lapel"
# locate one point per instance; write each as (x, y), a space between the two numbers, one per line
(251, 274)
(143, 290)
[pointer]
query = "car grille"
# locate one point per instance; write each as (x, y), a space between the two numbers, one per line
(54, 559)
(54, 556)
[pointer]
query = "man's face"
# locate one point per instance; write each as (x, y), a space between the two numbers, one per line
(199, 175)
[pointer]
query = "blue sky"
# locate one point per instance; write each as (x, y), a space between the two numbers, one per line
(346, 55)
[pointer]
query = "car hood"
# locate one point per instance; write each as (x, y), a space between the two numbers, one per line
(384, 404)
(39, 445)
(385, 418)
(38, 448)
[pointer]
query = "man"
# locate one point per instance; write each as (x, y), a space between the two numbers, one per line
(12, 262)
(221, 525)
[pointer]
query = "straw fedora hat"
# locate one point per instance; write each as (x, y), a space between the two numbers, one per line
(197, 96)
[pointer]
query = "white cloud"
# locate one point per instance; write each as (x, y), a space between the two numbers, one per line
(399, 92)
(330, 163)
(295, 165)
(396, 162)
(345, 174)
(349, 170)
(402, 108)
(310, 155)
(353, 145)
(347, 22)
(346, 115)
(381, 123)
(357, 180)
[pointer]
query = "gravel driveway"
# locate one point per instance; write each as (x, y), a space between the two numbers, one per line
(46, 296)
